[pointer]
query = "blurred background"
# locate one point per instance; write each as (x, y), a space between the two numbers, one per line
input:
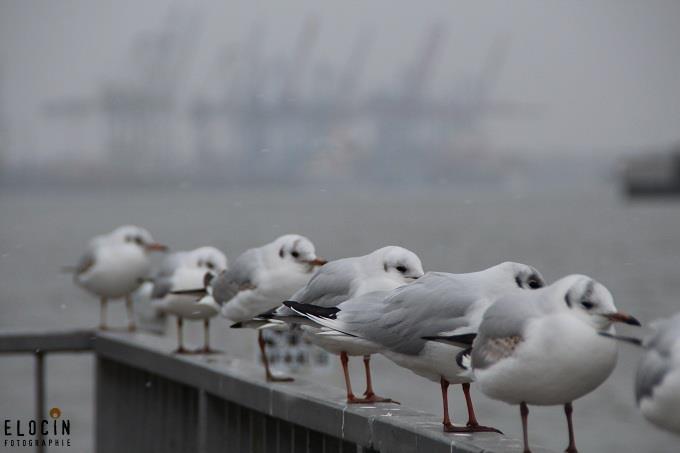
(470, 133)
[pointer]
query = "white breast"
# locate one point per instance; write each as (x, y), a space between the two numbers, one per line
(560, 360)
(118, 271)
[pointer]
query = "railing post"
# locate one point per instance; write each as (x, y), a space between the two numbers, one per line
(202, 421)
(39, 395)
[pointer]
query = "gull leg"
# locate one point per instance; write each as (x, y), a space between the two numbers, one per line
(448, 426)
(102, 314)
(351, 399)
(270, 376)
(206, 349)
(568, 409)
(524, 411)
(130, 314)
(369, 395)
(472, 419)
(180, 337)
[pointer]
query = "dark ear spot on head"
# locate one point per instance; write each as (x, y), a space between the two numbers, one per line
(518, 281)
(567, 300)
(385, 266)
(281, 253)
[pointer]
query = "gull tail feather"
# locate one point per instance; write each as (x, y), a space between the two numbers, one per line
(323, 316)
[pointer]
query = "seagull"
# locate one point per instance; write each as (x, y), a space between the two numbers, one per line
(547, 347)
(657, 384)
(184, 270)
(115, 265)
(408, 324)
(260, 279)
(383, 269)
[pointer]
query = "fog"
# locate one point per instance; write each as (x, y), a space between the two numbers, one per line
(363, 83)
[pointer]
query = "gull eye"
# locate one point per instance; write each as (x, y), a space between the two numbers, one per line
(139, 240)
(401, 269)
(587, 305)
(210, 265)
(295, 254)
(534, 284)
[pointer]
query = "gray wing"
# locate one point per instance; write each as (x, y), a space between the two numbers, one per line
(161, 287)
(240, 277)
(501, 330)
(330, 285)
(656, 363)
(435, 303)
(85, 262)
(162, 282)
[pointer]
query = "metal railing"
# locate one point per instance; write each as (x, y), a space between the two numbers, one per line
(149, 400)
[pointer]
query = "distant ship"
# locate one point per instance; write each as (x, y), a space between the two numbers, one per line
(653, 174)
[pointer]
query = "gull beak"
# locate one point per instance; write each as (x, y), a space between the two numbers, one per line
(156, 247)
(316, 262)
(622, 317)
(413, 277)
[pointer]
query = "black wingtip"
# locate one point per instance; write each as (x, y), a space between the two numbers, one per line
(269, 314)
(198, 292)
(631, 340)
(465, 339)
(309, 309)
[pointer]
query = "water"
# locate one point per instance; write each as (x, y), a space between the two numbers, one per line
(634, 249)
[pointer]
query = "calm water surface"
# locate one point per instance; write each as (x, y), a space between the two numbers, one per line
(634, 249)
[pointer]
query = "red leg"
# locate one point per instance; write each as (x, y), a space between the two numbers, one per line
(206, 349)
(180, 337)
(524, 411)
(472, 419)
(370, 396)
(351, 399)
(568, 410)
(265, 360)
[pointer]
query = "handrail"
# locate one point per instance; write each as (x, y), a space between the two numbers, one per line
(219, 380)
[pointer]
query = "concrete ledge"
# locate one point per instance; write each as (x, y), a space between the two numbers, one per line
(33, 342)
(384, 427)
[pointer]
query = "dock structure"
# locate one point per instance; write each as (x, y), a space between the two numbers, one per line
(150, 400)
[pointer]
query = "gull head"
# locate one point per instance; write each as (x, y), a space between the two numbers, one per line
(400, 263)
(208, 258)
(592, 302)
(136, 236)
(522, 275)
(296, 249)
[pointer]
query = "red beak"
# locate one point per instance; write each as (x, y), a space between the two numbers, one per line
(317, 262)
(622, 317)
(156, 247)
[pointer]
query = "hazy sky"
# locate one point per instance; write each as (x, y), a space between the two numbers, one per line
(605, 74)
